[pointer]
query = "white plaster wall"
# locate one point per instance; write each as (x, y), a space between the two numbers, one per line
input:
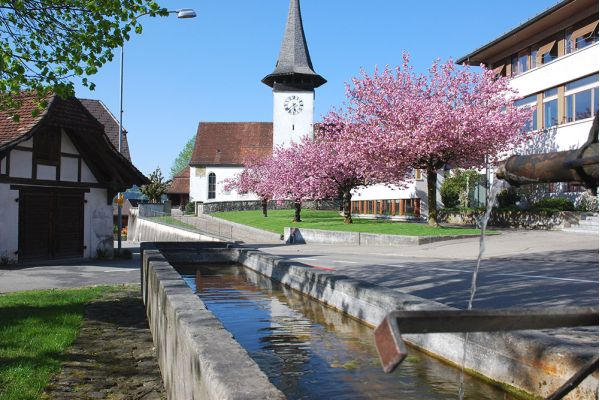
(3, 166)
(21, 164)
(68, 169)
(9, 222)
(199, 184)
(564, 69)
(287, 127)
(573, 135)
(86, 174)
(66, 146)
(98, 223)
(46, 172)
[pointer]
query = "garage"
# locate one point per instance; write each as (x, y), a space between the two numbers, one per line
(50, 223)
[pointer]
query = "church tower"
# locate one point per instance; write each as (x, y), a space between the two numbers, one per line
(293, 82)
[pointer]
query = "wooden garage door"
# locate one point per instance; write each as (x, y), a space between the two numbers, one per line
(50, 224)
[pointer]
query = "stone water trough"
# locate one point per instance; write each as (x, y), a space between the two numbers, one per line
(199, 359)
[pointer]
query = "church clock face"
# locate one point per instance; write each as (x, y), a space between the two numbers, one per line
(293, 105)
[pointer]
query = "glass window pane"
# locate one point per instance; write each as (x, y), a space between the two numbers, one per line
(526, 100)
(514, 65)
(551, 92)
(581, 82)
(533, 58)
(596, 101)
(569, 108)
(550, 113)
(523, 58)
(534, 125)
(583, 105)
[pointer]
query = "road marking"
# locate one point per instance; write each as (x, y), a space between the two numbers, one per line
(323, 268)
(346, 262)
(549, 277)
(305, 258)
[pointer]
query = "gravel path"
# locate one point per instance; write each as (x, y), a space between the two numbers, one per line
(113, 356)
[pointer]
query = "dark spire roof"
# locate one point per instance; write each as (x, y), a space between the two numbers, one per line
(294, 68)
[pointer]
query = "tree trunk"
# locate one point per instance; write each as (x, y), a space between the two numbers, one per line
(432, 196)
(263, 204)
(347, 203)
(297, 208)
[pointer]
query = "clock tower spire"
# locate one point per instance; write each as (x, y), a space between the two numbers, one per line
(293, 81)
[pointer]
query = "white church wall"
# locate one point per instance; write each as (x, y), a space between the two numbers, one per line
(199, 184)
(9, 222)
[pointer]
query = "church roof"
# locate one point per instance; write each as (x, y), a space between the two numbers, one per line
(231, 143)
(294, 66)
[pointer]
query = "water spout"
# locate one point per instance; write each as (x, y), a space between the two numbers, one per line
(579, 165)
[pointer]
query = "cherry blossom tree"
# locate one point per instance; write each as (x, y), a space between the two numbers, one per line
(449, 116)
(254, 179)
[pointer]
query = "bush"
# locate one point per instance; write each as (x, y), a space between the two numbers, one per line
(455, 187)
(507, 198)
(586, 202)
(555, 203)
(190, 208)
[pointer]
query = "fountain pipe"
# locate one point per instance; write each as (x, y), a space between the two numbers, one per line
(579, 165)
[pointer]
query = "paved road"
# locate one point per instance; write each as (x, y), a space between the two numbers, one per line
(71, 275)
(519, 268)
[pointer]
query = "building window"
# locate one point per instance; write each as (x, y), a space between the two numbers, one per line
(529, 101)
(581, 98)
(46, 147)
(550, 107)
(212, 185)
(581, 37)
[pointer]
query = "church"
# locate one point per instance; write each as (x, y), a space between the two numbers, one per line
(221, 147)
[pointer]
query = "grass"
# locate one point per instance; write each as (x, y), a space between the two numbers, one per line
(35, 329)
(168, 220)
(332, 221)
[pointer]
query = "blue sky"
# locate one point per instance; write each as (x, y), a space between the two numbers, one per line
(181, 72)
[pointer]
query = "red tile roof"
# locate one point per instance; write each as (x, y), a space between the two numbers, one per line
(180, 183)
(10, 130)
(231, 143)
(110, 123)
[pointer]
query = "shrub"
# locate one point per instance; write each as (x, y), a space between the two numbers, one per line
(556, 203)
(456, 190)
(190, 208)
(586, 202)
(507, 198)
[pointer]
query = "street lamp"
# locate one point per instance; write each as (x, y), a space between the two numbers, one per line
(183, 13)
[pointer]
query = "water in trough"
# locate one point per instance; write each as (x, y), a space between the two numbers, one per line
(310, 351)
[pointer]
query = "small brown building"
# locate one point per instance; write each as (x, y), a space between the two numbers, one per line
(179, 190)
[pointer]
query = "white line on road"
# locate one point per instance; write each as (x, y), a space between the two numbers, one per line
(305, 258)
(549, 277)
(345, 262)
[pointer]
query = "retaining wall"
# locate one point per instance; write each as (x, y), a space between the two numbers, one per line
(527, 361)
(142, 230)
(308, 236)
(221, 206)
(198, 357)
(230, 230)
(512, 219)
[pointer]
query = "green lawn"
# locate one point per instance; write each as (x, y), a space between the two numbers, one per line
(35, 329)
(332, 221)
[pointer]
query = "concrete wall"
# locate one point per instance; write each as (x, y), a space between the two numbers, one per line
(231, 230)
(513, 219)
(198, 357)
(527, 361)
(98, 224)
(311, 236)
(142, 230)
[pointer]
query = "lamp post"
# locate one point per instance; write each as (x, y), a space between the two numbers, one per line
(184, 13)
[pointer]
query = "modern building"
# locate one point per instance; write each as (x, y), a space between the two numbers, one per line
(59, 173)
(553, 61)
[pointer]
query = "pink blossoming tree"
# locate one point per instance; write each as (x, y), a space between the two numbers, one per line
(450, 116)
(254, 179)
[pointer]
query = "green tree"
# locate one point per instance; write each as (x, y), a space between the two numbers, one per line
(183, 159)
(156, 188)
(46, 44)
(457, 188)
